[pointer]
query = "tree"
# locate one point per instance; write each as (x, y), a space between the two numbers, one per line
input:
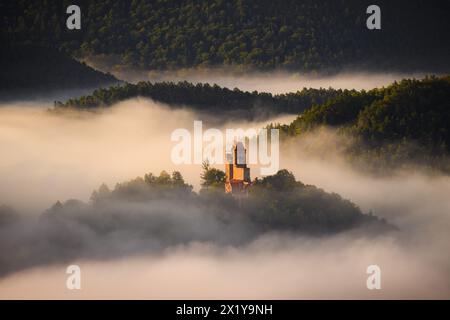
(212, 177)
(102, 193)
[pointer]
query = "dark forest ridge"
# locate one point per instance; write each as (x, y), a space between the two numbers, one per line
(29, 69)
(207, 98)
(302, 35)
(407, 109)
(153, 213)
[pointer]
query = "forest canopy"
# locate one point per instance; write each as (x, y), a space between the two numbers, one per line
(28, 68)
(303, 35)
(277, 202)
(404, 121)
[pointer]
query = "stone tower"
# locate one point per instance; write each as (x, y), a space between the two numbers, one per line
(237, 173)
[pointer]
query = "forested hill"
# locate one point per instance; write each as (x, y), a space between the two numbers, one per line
(153, 213)
(33, 68)
(306, 35)
(207, 98)
(406, 120)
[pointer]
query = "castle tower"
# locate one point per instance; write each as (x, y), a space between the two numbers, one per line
(237, 173)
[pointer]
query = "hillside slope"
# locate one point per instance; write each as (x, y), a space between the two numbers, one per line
(31, 68)
(403, 122)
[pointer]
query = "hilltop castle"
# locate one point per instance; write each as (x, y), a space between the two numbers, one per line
(237, 173)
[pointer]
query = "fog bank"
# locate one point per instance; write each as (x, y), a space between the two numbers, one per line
(274, 267)
(274, 82)
(48, 157)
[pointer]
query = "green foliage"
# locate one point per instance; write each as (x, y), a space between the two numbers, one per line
(212, 177)
(149, 187)
(305, 35)
(281, 202)
(283, 180)
(412, 110)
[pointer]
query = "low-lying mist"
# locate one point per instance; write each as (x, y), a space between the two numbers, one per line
(273, 267)
(48, 157)
(275, 82)
(281, 82)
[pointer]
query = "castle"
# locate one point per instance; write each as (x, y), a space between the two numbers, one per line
(237, 173)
